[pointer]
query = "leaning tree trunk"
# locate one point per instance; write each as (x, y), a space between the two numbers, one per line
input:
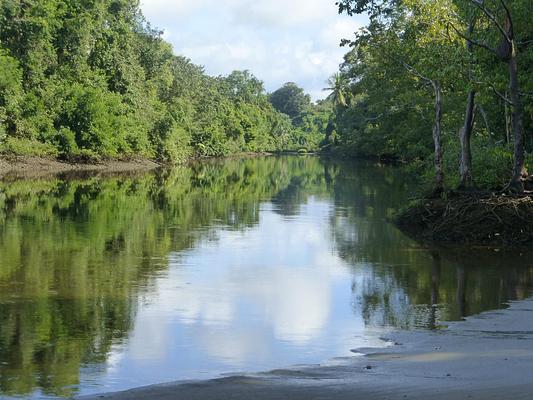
(519, 168)
(437, 138)
(467, 180)
(507, 122)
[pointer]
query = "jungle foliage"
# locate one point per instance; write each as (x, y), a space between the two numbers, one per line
(84, 80)
(418, 66)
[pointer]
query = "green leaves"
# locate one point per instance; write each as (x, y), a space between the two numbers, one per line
(93, 79)
(411, 42)
(10, 93)
(291, 100)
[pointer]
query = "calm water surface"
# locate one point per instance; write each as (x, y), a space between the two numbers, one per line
(242, 265)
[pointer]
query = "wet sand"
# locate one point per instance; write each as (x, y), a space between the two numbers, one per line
(489, 356)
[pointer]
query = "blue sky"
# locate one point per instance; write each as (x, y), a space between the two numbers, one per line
(277, 40)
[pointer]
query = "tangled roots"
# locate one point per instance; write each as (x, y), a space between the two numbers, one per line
(474, 218)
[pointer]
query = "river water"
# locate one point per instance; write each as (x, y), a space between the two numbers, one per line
(110, 283)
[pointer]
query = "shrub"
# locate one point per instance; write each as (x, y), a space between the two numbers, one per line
(28, 147)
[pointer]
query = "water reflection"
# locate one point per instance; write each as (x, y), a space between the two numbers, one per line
(107, 284)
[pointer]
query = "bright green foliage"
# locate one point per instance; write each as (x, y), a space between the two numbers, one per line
(338, 86)
(310, 121)
(10, 92)
(291, 100)
(91, 79)
(388, 109)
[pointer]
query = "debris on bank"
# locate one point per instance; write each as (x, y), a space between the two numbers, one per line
(471, 218)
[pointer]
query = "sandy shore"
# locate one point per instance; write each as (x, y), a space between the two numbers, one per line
(29, 167)
(489, 356)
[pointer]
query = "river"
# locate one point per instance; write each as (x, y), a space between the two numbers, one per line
(110, 283)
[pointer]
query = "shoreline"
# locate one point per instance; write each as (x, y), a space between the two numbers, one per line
(20, 167)
(14, 167)
(487, 356)
(490, 219)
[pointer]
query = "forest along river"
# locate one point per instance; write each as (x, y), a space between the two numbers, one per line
(228, 266)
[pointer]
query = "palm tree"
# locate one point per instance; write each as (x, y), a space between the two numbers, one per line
(338, 86)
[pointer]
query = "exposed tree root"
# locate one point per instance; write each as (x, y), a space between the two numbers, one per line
(473, 218)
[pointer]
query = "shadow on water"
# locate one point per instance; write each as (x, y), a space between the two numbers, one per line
(78, 254)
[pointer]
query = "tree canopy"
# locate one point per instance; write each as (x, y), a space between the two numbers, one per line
(93, 79)
(479, 53)
(291, 100)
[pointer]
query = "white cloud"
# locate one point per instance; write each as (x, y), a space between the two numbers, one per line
(342, 28)
(282, 12)
(278, 40)
(281, 297)
(158, 9)
(273, 295)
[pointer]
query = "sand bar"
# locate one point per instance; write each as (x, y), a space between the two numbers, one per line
(489, 356)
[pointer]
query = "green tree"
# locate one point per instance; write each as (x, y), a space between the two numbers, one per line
(292, 100)
(93, 79)
(460, 45)
(338, 87)
(10, 92)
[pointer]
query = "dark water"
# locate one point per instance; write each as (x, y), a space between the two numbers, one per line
(242, 265)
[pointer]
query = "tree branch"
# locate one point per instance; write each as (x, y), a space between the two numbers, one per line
(414, 72)
(474, 42)
(485, 118)
(501, 96)
(498, 93)
(492, 18)
(525, 42)
(374, 118)
(510, 18)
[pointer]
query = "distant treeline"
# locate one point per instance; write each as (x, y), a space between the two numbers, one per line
(446, 85)
(91, 79)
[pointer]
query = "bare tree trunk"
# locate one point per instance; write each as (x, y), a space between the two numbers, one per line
(437, 129)
(507, 123)
(437, 138)
(507, 52)
(519, 169)
(467, 180)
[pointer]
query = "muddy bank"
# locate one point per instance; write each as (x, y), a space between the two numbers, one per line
(29, 167)
(476, 219)
(484, 357)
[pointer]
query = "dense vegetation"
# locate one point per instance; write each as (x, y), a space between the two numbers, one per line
(418, 66)
(92, 79)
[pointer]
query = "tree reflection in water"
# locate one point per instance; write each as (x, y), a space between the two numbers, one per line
(77, 254)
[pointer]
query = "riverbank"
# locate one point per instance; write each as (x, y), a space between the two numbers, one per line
(487, 219)
(485, 357)
(31, 167)
(28, 167)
